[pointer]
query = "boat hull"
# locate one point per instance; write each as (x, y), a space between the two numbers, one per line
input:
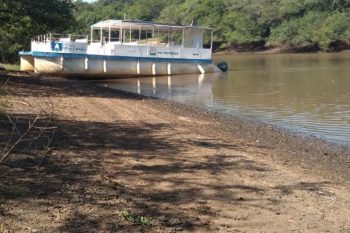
(111, 66)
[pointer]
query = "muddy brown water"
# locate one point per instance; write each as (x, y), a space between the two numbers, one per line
(305, 93)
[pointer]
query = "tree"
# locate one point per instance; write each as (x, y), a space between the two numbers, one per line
(23, 19)
(145, 9)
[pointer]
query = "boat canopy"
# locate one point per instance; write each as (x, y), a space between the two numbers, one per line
(139, 32)
(143, 25)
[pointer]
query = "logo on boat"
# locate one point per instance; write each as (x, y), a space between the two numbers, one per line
(152, 51)
(56, 46)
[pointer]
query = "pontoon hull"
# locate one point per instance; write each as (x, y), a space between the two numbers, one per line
(104, 66)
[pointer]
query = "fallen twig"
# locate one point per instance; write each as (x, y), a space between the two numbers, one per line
(7, 153)
(31, 138)
(20, 102)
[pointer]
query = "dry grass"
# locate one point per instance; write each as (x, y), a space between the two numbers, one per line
(4, 228)
(11, 67)
(3, 102)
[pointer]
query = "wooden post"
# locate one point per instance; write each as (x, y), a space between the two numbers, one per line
(212, 39)
(101, 36)
(121, 34)
(168, 37)
(139, 34)
(183, 38)
(109, 33)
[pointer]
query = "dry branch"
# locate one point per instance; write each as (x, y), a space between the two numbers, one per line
(29, 138)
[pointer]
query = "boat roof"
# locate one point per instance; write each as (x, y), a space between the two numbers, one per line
(145, 25)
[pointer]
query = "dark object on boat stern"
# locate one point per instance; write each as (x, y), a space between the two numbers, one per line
(223, 66)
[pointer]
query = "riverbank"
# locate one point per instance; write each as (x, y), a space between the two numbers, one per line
(260, 47)
(276, 50)
(119, 162)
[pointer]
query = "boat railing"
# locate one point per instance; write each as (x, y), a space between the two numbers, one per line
(46, 38)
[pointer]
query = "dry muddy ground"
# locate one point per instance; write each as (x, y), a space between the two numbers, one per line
(123, 163)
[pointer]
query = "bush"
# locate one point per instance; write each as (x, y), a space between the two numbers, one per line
(298, 32)
(23, 19)
(335, 28)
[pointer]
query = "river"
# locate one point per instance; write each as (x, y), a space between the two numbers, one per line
(305, 93)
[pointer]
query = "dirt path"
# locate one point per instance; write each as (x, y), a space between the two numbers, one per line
(117, 158)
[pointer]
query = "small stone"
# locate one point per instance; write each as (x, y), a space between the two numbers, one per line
(174, 221)
(169, 230)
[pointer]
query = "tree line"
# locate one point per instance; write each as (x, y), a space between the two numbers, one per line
(239, 24)
(20, 20)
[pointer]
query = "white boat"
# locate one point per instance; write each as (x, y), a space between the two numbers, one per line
(119, 48)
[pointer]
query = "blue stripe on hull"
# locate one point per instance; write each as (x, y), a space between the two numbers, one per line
(112, 58)
(25, 53)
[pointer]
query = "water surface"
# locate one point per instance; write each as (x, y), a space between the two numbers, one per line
(307, 93)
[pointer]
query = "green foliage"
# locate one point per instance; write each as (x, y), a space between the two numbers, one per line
(11, 67)
(299, 32)
(133, 218)
(335, 28)
(22, 19)
(86, 14)
(237, 29)
(145, 9)
(300, 23)
(315, 28)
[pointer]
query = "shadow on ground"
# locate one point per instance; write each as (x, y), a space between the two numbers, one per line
(94, 170)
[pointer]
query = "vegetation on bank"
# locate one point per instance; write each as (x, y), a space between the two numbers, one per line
(3, 102)
(246, 24)
(21, 20)
(10, 67)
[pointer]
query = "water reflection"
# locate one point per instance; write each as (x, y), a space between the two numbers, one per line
(308, 93)
(192, 89)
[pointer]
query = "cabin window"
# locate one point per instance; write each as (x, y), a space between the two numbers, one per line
(115, 36)
(145, 36)
(175, 38)
(130, 36)
(157, 34)
(96, 35)
(207, 39)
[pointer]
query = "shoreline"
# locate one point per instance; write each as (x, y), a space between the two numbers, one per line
(263, 134)
(261, 49)
(275, 52)
(256, 132)
(181, 167)
(336, 145)
(329, 155)
(309, 149)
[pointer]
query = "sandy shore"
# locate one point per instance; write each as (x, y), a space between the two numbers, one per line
(124, 163)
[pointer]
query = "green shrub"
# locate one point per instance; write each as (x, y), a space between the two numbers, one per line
(300, 32)
(335, 28)
(133, 218)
